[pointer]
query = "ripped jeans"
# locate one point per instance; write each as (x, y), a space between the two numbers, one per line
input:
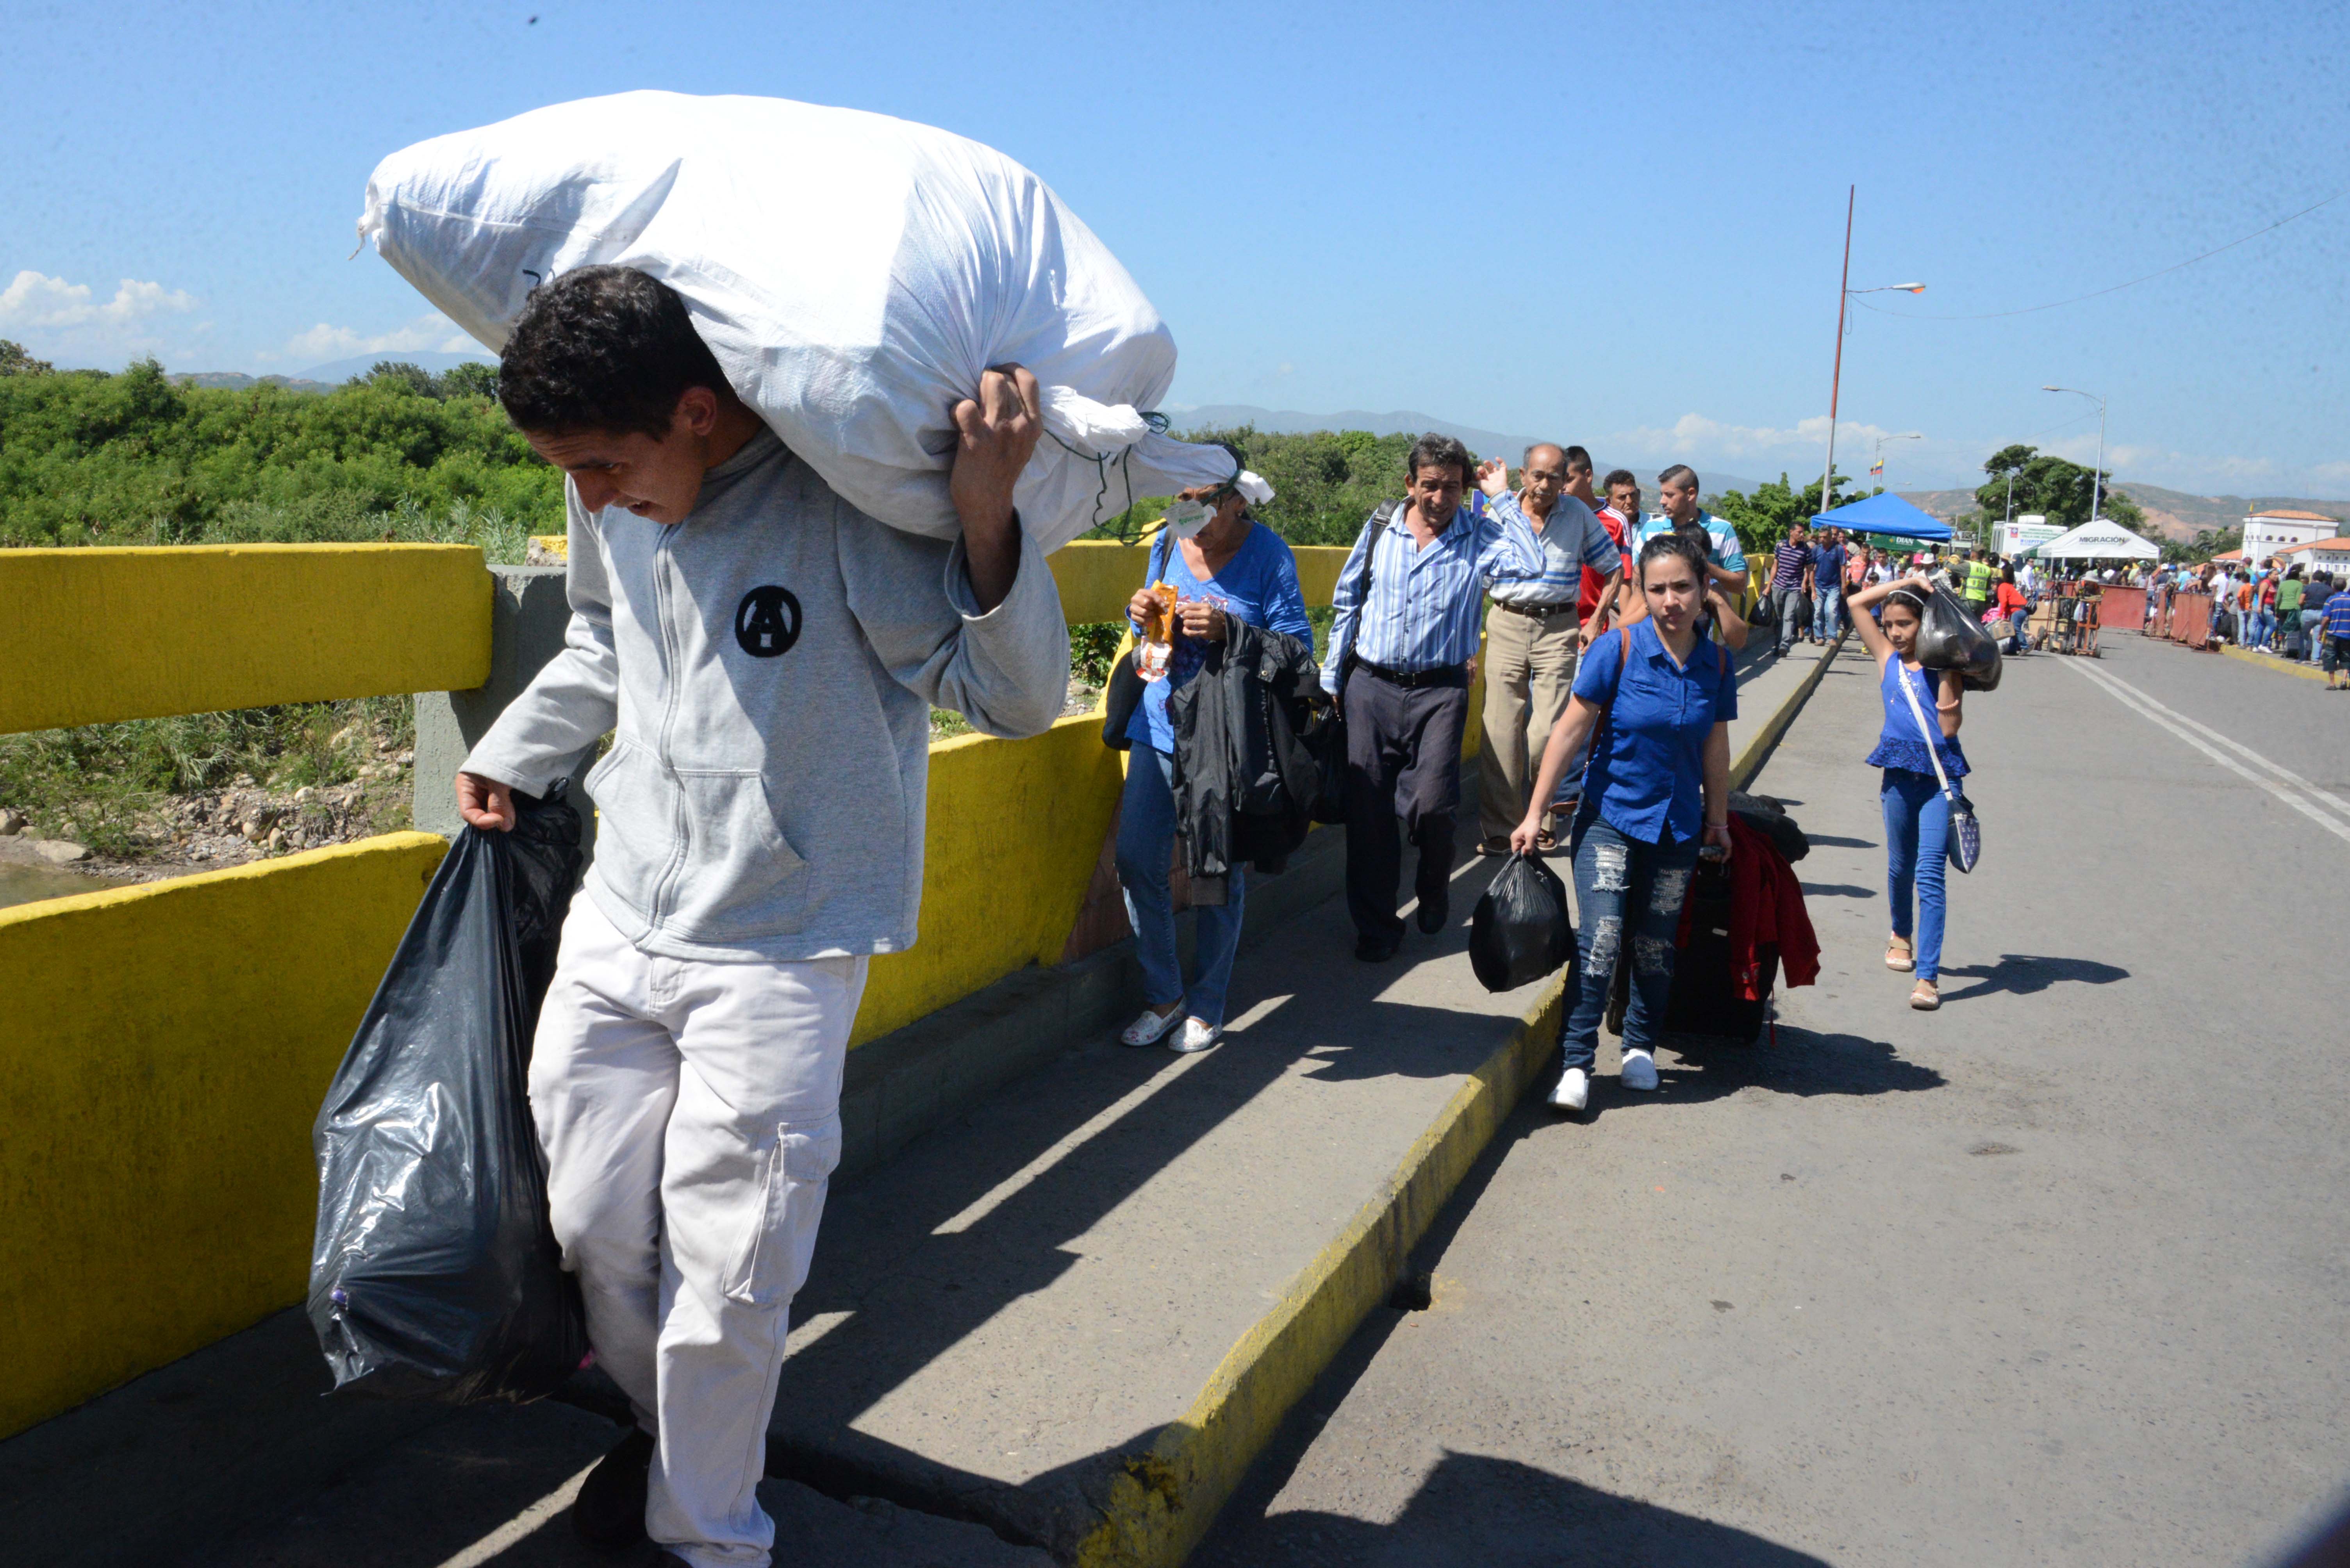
(1614, 874)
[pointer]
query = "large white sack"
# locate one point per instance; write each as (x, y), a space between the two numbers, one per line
(853, 275)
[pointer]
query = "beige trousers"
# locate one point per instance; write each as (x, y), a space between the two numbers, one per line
(1529, 673)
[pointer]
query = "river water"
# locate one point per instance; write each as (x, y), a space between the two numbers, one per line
(28, 884)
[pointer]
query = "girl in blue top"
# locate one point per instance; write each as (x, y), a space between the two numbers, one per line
(1233, 568)
(1655, 795)
(1916, 811)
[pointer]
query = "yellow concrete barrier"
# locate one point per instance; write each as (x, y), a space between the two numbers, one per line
(1014, 828)
(1096, 577)
(163, 1053)
(94, 635)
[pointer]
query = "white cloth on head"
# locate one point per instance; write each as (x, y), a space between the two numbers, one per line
(1253, 488)
(690, 1114)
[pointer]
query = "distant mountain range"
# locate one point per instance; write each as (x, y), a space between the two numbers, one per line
(325, 377)
(2173, 513)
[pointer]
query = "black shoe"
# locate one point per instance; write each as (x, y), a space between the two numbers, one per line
(610, 1511)
(1376, 950)
(1434, 913)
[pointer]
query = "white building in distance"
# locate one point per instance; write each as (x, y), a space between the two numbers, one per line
(2266, 533)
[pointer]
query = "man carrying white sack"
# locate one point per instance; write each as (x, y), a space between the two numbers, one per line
(766, 656)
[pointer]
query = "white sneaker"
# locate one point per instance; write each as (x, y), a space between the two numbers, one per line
(1151, 1027)
(1640, 1070)
(1573, 1091)
(1197, 1037)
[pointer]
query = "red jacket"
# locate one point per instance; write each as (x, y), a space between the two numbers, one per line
(1766, 916)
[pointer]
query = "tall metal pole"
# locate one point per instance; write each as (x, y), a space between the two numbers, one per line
(1835, 381)
(2096, 496)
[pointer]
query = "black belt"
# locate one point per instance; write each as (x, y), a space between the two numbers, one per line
(1535, 612)
(1413, 680)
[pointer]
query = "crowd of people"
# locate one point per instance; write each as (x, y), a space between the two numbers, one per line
(2289, 610)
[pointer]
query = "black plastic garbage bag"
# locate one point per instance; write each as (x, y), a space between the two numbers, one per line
(1520, 931)
(1951, 639)
(434, 1274)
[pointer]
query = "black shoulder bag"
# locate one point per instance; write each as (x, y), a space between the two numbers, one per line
(1325, 733)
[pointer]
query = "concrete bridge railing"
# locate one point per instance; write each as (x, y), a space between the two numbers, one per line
(165, 1046)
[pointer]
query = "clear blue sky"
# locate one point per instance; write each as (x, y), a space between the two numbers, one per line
(1612, 224)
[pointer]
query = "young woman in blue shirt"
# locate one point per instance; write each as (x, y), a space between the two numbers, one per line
(1916, 811)
(1233, 568)
(1656, 795)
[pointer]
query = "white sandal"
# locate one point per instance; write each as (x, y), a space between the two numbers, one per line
(1924, 997)
(1907, 959)
(1152, 1027)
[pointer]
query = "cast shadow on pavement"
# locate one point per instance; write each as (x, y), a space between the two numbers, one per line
(1481, 1512)
(1472, 1510)
(1802, 1064)
(1818, 839)
(1837, 890)
(2026, 975)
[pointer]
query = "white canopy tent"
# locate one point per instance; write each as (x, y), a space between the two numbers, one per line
(2097, 540)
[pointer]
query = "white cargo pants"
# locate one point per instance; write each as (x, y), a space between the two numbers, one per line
(690, 1114)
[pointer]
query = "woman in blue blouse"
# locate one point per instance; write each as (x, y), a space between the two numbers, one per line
(1916, 811)
(1656, 793)
(1232, 568)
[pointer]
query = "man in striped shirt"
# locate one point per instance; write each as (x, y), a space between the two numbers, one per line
(1534, 636)
(1399, 664)
(1790, 573)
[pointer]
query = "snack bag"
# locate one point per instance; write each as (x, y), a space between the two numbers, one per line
(1158, 648)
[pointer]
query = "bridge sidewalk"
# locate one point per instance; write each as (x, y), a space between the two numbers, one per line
(1073, 1316)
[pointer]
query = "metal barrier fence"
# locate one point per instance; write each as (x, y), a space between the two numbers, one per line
(2189, 621)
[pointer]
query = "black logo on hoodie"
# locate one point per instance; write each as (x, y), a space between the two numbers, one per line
(768, 622)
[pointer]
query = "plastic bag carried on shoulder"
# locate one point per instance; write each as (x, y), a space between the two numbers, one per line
(434, 1273)
(1951, 639)
(1520, 931)
(852, 273)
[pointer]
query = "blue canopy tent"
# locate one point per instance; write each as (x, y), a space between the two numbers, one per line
(1888, 515)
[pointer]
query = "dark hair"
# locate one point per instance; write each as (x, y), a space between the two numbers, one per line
(1578, 458)
(2007, 574)
(603, 349)
(1620, 476)
(1674, 543)
(1680, 471)
(1439, 452)
(1908, 597)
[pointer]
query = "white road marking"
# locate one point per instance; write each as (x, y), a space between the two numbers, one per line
(523, 1525)
(2130, 696)
(1100, 1122)
(2336, 801)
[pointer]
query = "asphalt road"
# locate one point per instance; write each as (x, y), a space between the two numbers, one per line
(2054, 1275)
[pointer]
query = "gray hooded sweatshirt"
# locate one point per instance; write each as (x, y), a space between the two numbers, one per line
(767, 668)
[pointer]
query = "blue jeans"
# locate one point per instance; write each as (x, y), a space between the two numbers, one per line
(1916, 844)
(1827, 612)
(1614, 873)
(1146, 847)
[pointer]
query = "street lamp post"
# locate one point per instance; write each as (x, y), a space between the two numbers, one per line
(2097, 474)
(1908, 435)
(1845, 291)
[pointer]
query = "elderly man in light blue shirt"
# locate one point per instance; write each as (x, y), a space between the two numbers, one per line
(1534, 636)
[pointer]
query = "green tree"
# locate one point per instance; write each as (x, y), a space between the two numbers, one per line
(15, 361)
(2059, 491)
(1764, 518)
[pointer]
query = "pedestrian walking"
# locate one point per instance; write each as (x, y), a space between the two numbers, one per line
(1534, 635)
(766, 658)
(1725, 559)
(1827, 585)
(1975, 580)
(1406, 607)
(1233, 573)
(1660, 695)
(2011, 604)
(1919, 703)
(2337, 663)
(1791, 569)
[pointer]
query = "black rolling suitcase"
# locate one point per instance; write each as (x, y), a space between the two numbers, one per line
(1704, 1001)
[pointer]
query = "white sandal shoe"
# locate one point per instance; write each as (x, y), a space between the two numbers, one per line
(1151, 1027)
(1901, 956)
(1197, 1037)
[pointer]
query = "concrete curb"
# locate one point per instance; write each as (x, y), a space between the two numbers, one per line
(2270, 662)
(1748, 763)
(1166, 1500)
